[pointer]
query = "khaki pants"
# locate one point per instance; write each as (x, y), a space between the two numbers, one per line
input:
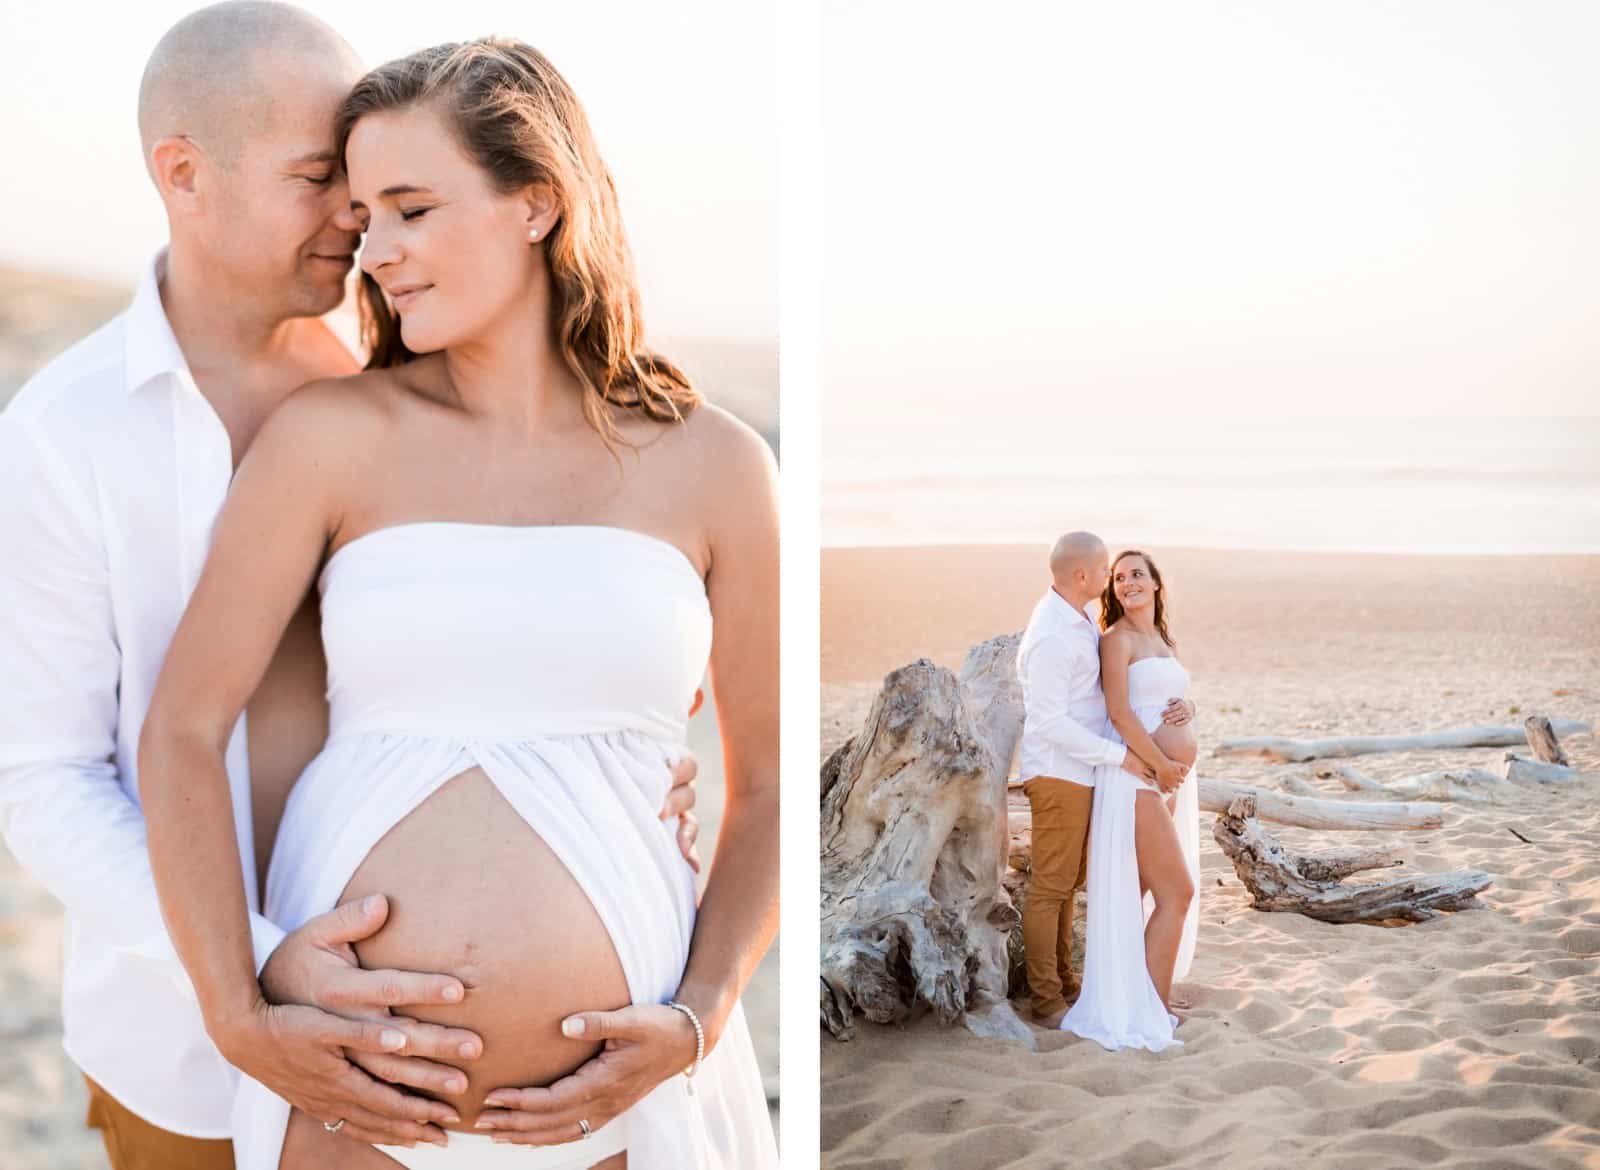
(1061, 810)
(132, 1143)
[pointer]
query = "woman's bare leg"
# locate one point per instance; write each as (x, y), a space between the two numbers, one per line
(1164, 871)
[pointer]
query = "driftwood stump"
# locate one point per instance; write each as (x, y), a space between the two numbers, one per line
(913, 849)
(1299, 751)
(1280, 880)
(1543, 742)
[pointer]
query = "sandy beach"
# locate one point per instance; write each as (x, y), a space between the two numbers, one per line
(1472, 1040)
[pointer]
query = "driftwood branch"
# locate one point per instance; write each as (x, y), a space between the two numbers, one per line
(1543, 742)
(1478, 785)
(1351, 777)
(1282, 881)
(1312, 813)
(1292, 751)
(1522, 768)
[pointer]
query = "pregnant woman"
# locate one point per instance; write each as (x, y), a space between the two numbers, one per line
(523, 540)
(1144, 837)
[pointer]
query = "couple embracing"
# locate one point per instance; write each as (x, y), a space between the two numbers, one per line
(409, 637)
(1108, 752)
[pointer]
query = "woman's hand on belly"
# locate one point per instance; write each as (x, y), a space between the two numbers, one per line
(644, 1046)
(1178, 712)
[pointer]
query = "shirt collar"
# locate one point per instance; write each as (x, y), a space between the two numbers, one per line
(151, 347)
(1069, 611)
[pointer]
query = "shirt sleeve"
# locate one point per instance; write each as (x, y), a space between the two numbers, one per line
(64, 814)
(1058, 667)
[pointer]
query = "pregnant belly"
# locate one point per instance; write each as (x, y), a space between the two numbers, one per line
(474, 892)
(1176, 743)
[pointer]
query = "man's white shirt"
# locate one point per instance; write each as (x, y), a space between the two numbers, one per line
(1065, 729)
(113, 468)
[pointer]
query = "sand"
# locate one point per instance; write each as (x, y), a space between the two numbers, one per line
(1472, 1040)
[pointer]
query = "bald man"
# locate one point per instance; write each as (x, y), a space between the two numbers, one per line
(1065, 736)
(114, 462)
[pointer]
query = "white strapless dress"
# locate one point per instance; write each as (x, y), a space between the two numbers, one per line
(1118, 1006)
(563, 661)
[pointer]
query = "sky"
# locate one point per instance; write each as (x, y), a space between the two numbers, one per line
(681, 98)
(1041, 214)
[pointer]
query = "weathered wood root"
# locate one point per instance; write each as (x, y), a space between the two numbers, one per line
(913, 913)
(1542, 740)
(1281, 881)
(1299, 751)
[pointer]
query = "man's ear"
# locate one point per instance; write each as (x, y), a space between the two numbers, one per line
(175, 162)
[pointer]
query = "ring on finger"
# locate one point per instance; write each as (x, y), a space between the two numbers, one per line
(583, 1125)
(333, 1127)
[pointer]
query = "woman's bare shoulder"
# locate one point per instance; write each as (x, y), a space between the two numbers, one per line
(330, 430)
(727, 450)
(344, 413)
(1116, 642)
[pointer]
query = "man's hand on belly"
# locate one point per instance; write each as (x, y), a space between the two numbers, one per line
(316, 966)
(644, 1045)
(680, 804)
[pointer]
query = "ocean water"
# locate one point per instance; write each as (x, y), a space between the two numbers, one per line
(1474, 485)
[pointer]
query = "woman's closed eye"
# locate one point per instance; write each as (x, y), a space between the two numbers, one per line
(415, 213)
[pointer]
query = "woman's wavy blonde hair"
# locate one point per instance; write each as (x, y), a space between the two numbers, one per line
(520, 121)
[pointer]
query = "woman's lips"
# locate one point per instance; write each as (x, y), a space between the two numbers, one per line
(403, 298)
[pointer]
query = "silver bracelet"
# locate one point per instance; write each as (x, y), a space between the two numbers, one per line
(699, 1039)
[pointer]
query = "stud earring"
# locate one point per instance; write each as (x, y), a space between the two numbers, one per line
(533, 234)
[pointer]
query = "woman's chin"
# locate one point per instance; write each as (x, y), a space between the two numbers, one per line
(420, 339)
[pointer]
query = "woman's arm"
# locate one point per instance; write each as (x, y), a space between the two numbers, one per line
(265, 549)
(738, 915)
(1115, 655)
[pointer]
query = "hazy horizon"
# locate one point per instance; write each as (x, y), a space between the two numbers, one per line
(1304, 267)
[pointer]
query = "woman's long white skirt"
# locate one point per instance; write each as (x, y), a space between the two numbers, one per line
(1118, 1006)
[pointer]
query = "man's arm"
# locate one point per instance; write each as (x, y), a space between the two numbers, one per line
(1057, 666)
(63, 813)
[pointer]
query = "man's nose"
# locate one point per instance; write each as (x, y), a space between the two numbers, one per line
(346, 220)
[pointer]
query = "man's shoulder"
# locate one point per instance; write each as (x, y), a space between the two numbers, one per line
(1059, 635)
(76, 385)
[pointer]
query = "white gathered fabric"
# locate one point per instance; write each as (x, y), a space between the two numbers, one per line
(1118, 1006)
(563, 661)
